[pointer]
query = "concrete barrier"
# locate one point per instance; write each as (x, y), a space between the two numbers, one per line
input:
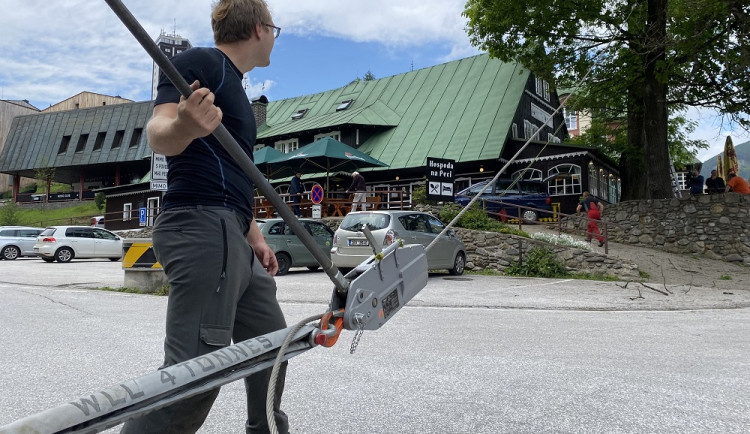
(142, 270)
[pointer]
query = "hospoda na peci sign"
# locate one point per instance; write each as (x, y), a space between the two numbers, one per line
(440, 175)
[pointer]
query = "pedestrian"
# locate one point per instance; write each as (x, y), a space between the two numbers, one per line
(715, 183)
(226, 292)
(358, 187)
(737, 184)
(696, 183)
(594, 208)
(296, 190)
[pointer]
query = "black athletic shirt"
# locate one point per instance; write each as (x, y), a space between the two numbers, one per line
(204, 173)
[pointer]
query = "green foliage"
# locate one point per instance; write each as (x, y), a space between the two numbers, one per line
(78, 214)
(539, 262)
(9, 214)
(100, 200)
(725, 277)
(31, 188)
(476, 218)
(630, 58)
(369, 76)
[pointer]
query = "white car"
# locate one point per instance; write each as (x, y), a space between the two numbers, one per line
(350, 247)
(17, 241)
(63, 243)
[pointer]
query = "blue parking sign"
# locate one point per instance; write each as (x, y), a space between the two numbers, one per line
(142, 216)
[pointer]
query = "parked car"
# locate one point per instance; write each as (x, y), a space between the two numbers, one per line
(527, 193)
(63, 243)
(97, 221)
(17, 241)
(289, 250)
(350, 247)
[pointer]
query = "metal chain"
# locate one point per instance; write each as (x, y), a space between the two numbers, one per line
(358, 333)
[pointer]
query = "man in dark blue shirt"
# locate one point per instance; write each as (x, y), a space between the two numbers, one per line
(218, 265)
(696, 183)
(295, 191)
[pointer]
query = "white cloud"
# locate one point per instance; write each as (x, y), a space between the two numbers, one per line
(714, 130)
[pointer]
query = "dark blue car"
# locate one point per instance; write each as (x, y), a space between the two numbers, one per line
(531, 194)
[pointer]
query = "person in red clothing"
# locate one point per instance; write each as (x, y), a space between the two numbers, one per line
(736, 184)
(594, 208)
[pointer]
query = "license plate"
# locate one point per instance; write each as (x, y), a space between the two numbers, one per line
(359, 243)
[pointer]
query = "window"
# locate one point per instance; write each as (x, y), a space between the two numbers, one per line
(528, 174)
(82, 142)
(99, 140)
(552, 138)
(528, 129)
(127, 209)
(135, 138)
(565, 179)
(287, 146)
(571, 119)
(117, 142)
(344, 105)
(299, 114)
(335, 135)
(539, 114)
(64, 145)
(514, 130)
(542, 89)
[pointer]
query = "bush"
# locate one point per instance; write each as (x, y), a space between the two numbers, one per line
(100, 200)
(474, 218)
(540, 262)
(9, 215)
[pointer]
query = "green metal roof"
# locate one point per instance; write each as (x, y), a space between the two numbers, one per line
(461, 110)
(35, 141)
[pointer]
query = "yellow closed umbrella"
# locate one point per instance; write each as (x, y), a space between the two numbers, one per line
(731, 165)
(720, 169)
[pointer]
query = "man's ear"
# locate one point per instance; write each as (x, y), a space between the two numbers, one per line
(258, 28)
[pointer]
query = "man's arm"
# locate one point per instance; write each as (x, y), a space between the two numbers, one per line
(262, 251)
(173, 126)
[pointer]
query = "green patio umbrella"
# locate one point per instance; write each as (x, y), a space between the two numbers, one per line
(328, 154)
(265, 160)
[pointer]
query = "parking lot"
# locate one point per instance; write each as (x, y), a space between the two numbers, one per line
(470, 354)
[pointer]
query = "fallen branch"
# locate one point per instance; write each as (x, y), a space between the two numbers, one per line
(655, 289)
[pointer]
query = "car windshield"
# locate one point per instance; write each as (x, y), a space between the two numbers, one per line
(357, 222)
(475, 189)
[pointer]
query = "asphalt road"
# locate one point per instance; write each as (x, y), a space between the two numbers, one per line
(476, 354)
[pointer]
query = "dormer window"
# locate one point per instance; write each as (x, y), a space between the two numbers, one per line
(344, 105)
(299, 114)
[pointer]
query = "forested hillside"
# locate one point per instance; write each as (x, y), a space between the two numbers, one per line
(743, 156)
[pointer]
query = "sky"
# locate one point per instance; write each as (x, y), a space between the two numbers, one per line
(52, 50)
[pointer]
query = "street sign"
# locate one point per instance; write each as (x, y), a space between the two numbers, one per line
(316, 194)
(159, 171)
(142, 216)
(317, 211)
(440, 179)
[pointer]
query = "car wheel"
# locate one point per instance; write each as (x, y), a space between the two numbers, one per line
(284, 263)
(530, 215)
(313, 267)
(63, 254)
(459, 264)
(11, 252)
(48, 259)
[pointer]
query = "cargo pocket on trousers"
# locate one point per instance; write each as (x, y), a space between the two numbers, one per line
(216, 335)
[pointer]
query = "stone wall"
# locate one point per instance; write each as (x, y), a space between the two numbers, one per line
(715, 226)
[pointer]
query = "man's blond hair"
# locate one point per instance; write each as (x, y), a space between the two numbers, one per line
(235, 20)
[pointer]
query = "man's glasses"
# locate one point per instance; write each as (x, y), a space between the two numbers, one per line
(276, 30)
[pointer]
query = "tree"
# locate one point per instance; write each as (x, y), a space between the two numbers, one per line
(45, 175)
(369, 76)
(638, 59)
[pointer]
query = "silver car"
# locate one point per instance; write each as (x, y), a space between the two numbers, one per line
(350, 247)
(63, 243)
(17, 241)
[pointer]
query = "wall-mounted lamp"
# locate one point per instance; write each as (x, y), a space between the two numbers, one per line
(591, 163)
(397, 178)
(481, 169)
